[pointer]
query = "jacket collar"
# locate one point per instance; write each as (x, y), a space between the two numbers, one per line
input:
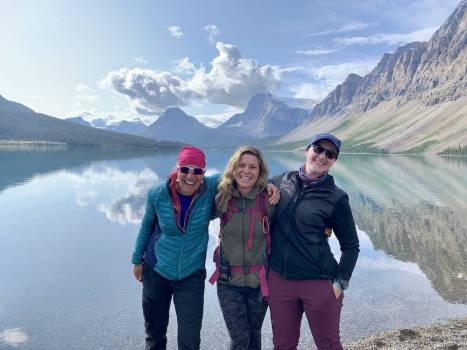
(252, 195)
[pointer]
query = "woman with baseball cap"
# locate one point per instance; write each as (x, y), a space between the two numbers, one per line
(304, 276)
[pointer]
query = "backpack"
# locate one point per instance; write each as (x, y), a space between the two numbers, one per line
(223, 270)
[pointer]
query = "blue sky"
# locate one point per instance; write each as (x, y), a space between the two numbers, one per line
(125, 59)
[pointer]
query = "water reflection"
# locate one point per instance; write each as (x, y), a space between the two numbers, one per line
(414, 209)
(87, 207)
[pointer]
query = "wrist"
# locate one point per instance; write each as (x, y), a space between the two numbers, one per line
(342, 283)
(338, 285)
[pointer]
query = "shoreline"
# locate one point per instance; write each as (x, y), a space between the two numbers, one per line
(450, 335)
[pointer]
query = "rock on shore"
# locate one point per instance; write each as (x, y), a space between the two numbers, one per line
(448, 336)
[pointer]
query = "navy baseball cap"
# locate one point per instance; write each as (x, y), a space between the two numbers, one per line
(326, 136)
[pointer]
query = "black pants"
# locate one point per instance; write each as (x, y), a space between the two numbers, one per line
(188, 295)
(243, 312)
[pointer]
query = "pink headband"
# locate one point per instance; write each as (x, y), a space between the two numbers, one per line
(191, 156)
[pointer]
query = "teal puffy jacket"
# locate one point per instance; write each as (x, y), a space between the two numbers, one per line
(178, 254)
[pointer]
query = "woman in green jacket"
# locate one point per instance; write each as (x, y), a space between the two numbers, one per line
(244, 245)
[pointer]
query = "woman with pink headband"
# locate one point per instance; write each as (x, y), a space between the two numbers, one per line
(171, 262)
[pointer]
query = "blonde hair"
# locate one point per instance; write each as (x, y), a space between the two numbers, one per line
(227, 182)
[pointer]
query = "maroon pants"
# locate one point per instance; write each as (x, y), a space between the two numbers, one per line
(288, 299)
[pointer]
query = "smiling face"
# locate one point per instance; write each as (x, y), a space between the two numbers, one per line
(247, 173)
(188, 184)
(318, 164)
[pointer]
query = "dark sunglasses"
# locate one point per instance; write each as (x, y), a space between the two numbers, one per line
(330, 154)
(195, 171)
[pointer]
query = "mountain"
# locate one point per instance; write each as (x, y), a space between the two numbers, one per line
(10, 106)
(133, 127)
(100, 123)
(19, 123)
(79, 120)
(414, 100)
(265, 116)
(174, 124)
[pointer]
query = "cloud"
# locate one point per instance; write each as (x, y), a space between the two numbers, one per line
(175, 31)
(391, 39)
(232, 80)
(325, 78)
(345, 28)
(184, 65)
(314, 52)
(85, 93)
(13, 336)
(308, 91)
(213, 31)
(140, 59)
(150, 92)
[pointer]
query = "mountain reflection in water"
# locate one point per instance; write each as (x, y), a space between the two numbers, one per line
(410, 212)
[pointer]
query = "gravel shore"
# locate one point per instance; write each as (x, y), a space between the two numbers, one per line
(447, 336)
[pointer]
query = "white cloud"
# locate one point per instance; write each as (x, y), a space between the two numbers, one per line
(150, 92)
(232, 80)
(345, 28)
(308, 91)
(314, 52)
(175, 31)
(391, 39)
(184, 65)
(140, 59)
(85, 93)
(213, 31)
(13, 336)
(325, 78)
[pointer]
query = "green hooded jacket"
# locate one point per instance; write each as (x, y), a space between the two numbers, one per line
(234, 241)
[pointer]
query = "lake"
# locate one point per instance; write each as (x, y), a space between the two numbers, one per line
(69, 219)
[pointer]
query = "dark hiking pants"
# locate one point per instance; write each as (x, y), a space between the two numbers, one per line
(188, 296)
(243, 312)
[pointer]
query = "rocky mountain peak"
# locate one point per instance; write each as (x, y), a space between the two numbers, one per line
(265, 116)
(431, 72)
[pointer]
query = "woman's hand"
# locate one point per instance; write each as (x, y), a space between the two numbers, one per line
(328, 231)
(273, 193)
(337, 291)
(138, 272)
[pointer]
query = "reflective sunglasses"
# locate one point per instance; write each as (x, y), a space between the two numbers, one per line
(195, 171)
(330, 154)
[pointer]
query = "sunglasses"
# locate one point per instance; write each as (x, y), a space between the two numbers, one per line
(330, 154)
(195, 171)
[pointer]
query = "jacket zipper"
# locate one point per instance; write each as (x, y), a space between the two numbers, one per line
(187, 214)
(243, 238)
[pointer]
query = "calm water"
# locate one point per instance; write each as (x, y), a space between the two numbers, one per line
(68, 222)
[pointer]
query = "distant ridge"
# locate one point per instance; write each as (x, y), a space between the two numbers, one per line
(79, 120)
(21, 123)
